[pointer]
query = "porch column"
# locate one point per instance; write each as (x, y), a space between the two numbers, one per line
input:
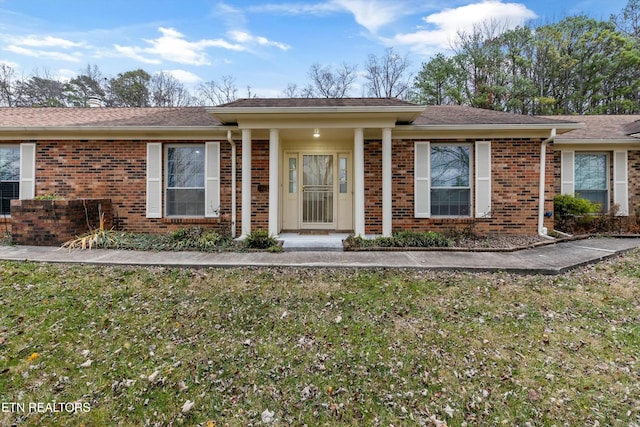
(358, 181)
(274, 174)
(387, 211)
(246, 182)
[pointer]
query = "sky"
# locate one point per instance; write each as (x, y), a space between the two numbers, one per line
(264, 46)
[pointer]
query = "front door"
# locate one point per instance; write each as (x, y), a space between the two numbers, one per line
(317, 191)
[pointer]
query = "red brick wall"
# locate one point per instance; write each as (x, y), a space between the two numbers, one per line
(53, 222)
(633, 173)
(117, 170)
(515, 191)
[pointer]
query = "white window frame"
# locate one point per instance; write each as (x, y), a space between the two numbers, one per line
(166, 187)
(470, 188)
(157, 179)
(607, 169)
(20, 157)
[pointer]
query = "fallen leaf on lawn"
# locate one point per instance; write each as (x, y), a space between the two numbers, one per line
(153, 376)
(187, 406)
(86, 364)
(267, 416)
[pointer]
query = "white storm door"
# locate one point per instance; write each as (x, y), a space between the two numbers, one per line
(318, 191)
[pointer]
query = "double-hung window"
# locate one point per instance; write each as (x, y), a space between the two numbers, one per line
(591, 177)
(9, 176)
(450, 180)
(185, 180)
(445, 176)
(186, 183)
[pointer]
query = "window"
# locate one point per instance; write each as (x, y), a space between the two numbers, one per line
(443, 179)
(591, 177)
(9, 177)
(185, 180)
(189, 180)
(450, 180)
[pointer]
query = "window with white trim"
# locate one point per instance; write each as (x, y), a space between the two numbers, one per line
(592, 177)
(444, 182)
(9, 176)
(450, 179)
(184, 191)
(183, 180)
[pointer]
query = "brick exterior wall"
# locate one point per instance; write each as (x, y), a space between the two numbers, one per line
(116, 170)
(53, 222)
(633, 173)
(514, 183)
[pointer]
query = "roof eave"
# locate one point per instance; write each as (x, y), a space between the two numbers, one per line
(486, 130)
(111, 132)
(230, 114)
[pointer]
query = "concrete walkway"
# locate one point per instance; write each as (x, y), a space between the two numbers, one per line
(549, 259)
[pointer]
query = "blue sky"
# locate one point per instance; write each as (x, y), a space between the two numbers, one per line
(264, 45)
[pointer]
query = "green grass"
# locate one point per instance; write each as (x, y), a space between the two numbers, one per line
(321, 347)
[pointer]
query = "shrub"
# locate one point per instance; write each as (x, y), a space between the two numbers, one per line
(574, 213)
(259, 239)
(402, 239)
(566, 205)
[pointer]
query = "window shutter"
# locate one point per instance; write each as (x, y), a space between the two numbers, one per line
(483, 179)
(620, 182)
(422, 190)
(27, 171)
(212, 179)
(154, 180)
(567, 172)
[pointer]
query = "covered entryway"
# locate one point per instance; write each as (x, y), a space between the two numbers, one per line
(318, 192)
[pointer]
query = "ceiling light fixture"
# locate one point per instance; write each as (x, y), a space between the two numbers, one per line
(316, 133)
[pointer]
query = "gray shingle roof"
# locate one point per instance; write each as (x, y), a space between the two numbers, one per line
(105, 117)
(317, 102)
(601, 127)
(460, 115)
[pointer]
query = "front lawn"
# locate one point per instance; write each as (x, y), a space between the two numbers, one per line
(94, 346)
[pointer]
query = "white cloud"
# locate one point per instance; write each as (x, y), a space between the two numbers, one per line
(184, 76)
(44, 53)
(445, 25)
(371, 14)
(45, 41)
(245, 38)
(374, 14)
(173, 46)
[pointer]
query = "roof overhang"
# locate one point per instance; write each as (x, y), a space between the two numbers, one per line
(67, 133)
(335, 116)
(485, 130)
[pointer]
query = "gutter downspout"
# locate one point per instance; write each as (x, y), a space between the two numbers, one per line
(542, 231)
(233, 184)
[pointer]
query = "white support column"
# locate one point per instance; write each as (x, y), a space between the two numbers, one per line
(387, 211)
(358, 181)
(274, 174)
(246, 182)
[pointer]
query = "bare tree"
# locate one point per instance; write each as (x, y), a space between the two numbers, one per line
(7, 86)
(388, 75)
(291, 91)
(218, 92)
(327, 83)
(167, 91)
